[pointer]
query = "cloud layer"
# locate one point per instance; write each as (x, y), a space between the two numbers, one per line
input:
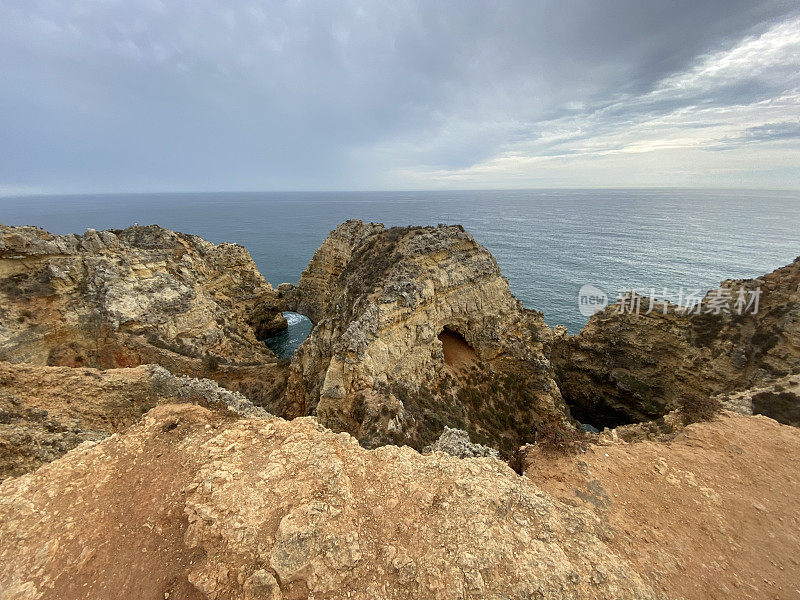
(148, 95)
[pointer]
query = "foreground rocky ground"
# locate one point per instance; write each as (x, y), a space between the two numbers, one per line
(126, 479)
(711, 514)
(194, 503)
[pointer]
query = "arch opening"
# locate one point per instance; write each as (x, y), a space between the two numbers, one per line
(458, 354)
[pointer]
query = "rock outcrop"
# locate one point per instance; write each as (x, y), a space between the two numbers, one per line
(456, 442)
(415, 329)
(779, 399)
(47, 411)
(623, 367)
(196, 506)
(110, 299)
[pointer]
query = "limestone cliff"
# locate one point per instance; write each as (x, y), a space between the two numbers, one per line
(416, 329)
(141, 295)
(625, 367)
(140, 483)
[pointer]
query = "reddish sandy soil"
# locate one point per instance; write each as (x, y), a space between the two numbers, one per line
(130, 541)
(714, 514)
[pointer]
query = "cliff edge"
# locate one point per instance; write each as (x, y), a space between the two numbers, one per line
(625, 367)
(125, 479)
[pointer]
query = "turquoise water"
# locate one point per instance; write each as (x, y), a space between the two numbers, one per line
(285, 342)
(547, 242)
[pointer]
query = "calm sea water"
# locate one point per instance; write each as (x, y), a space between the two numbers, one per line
(548, 242)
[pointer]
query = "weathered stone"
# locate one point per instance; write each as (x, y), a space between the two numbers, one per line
(192, 503)
(416, 329)
(456, 442)
(141, 295)
(778, 399)
(625, 367)
(265, 508)
(47, 411)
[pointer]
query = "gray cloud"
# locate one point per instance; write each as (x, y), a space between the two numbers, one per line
(769, 132)
(773, 131)
(179, 95)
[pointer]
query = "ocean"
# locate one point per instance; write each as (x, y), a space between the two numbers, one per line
(549, 243)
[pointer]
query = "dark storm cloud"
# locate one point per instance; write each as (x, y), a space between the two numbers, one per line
(151, 94)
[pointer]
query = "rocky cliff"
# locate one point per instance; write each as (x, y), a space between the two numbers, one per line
(110, 299)
(624, 367)
(415, 329)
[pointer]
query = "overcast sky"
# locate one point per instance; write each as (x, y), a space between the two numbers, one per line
(196, 95)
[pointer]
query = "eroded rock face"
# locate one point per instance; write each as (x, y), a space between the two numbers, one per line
(110, 299)
(416, 329)
(625, 367)
(196, 506)
(317, 282)
(47, 411)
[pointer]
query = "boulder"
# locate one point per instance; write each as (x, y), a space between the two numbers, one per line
(456, 442)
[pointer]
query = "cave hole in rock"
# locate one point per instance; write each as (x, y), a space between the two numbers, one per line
(285, 342)
(595, 415)
(458, 354)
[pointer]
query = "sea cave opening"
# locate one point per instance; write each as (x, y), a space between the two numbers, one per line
(286, 342)
(595, 414)
(457, 351)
